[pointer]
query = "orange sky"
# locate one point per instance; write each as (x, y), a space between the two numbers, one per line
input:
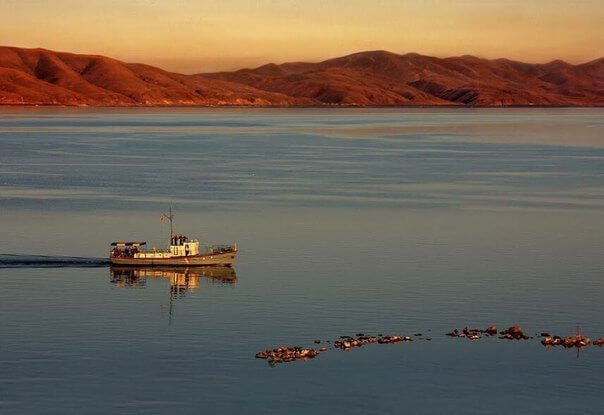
(201, 36)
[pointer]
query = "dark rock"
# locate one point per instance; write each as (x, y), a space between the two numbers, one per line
(513, 333)
(286, 354)
(391, 339)
(573, 341)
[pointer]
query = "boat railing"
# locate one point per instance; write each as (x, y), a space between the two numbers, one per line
(153, 250)
(205, 250)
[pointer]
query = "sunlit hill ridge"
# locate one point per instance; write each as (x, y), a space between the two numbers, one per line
(375, 78)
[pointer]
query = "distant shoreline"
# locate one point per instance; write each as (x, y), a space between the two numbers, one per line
(326, 106)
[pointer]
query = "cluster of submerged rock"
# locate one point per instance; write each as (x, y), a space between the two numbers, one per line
(572, 341)
(284, 354)
(287, 354)
(348, 342)
(474, 334)
(512, 333)
(516, 333)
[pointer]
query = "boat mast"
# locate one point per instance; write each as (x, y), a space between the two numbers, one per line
(170, 217)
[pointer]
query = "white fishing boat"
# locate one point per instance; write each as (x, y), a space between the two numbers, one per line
(181, 251)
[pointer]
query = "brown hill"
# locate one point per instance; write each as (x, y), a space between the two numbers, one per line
(39, 76)
(383, 78)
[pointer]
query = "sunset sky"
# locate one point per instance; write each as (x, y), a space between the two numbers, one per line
(201, 36)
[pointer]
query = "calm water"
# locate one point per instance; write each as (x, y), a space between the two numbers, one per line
(381, 221)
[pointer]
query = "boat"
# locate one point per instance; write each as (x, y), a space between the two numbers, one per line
(181, 251)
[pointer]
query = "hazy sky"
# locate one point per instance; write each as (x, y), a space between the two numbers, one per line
(201, 36)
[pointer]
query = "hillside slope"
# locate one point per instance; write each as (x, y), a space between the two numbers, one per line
(38, 76)
(377, 78)
(383, 78)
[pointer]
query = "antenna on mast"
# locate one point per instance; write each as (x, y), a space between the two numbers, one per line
(170, 217)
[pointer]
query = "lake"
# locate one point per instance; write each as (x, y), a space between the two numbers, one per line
(393, 221)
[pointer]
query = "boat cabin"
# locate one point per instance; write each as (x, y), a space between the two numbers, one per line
(180, 246)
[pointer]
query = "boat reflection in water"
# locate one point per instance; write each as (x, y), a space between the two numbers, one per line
(182, 280)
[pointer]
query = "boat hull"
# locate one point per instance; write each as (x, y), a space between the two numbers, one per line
(225, 259)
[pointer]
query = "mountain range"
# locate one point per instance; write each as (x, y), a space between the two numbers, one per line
(373, 78)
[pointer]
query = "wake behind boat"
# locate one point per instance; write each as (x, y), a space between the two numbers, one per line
(182, 251)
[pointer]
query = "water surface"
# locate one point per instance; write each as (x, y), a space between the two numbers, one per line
(381, 221)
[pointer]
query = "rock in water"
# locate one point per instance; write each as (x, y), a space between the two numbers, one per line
(286, 354)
